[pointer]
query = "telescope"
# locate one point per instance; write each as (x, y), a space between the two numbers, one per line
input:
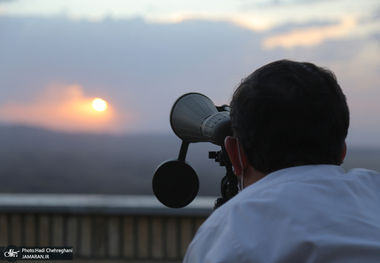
(194, 118)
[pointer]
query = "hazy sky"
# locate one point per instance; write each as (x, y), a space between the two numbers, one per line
(140, 56)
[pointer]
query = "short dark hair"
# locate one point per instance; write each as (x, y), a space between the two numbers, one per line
(290, 113)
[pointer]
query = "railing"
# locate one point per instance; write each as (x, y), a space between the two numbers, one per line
(102, 228)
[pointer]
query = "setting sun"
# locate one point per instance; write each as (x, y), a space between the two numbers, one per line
(99, 104)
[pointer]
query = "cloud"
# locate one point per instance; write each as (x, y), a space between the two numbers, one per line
(142, 68)
(64, 108)
(310, 36)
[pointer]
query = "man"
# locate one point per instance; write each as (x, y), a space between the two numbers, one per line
(297, 204)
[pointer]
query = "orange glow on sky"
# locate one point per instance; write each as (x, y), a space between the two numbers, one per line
(183, 46)
(63, 108)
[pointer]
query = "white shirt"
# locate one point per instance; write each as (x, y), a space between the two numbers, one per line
(314, 213)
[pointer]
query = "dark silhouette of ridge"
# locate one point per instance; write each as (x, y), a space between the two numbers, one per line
(35, 160)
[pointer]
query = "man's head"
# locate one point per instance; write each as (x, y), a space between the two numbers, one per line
(289, 113)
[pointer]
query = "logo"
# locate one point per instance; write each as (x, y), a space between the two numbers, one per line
(12, 253)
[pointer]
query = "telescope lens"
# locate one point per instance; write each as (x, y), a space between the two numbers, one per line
(175, 184)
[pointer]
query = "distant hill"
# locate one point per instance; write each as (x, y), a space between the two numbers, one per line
(34, 160)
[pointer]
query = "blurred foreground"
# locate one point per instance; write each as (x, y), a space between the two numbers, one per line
(101, 228)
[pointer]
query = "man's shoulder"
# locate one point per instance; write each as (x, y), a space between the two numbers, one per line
(362, 172)
(291, 192)
(307, 204)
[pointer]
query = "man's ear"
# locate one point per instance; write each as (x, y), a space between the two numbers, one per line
(343, 153)
(233, 148)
